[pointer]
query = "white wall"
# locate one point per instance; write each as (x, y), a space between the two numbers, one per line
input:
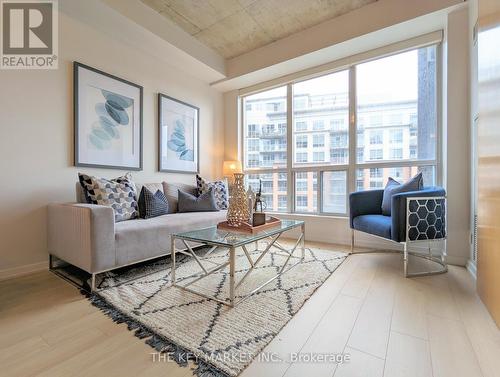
(36, 134)
(231, 122)
(456, 152)
(457, 145)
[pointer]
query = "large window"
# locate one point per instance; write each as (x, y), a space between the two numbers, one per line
(265, 130)
(274, 189)
(396, 98)
(390, 110)
(306, 193)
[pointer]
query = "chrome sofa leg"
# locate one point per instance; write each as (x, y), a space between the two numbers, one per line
(92, 285)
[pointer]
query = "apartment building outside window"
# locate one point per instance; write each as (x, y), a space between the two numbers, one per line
(396, 153)
(318, 125)
(301, 186)
(301, 126)
(396, 136)
(376, 173)
(302, 201)
(318, 156)
(301, 141)
(301, 157)
(376, 154)
(318, 140)
(376, 137)
(394, 127)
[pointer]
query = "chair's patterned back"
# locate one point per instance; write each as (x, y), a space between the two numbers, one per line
(426, 219)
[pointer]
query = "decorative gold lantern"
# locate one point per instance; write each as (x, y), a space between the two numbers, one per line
(238, 212)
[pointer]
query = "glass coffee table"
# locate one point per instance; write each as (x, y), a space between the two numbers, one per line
(218, 239)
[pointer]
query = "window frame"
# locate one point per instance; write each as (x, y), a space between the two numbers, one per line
(352, 165)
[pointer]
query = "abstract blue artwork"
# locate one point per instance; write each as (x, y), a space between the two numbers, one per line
(179, 123)
(112, 114)
(178, 142)
(108, 120)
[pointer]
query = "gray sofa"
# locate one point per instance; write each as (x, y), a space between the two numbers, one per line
(86, 235)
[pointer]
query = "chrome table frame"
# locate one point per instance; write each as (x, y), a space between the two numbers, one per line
(233, 285)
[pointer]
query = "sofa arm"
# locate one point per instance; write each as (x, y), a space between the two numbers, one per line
(398, 209)
(367, 202)
(83, 235)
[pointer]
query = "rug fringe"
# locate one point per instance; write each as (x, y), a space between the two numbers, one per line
(179, 354)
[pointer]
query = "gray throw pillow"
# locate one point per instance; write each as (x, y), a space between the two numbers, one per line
(394, 187)
(191, 203)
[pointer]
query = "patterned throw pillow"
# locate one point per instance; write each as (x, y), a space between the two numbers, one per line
(152, 205)
(218, 187)
(118, 193)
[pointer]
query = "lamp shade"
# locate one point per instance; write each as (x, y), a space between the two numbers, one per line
(231, 167)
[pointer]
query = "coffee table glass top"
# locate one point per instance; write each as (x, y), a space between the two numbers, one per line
(223, 237)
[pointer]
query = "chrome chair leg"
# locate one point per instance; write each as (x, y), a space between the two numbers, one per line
(439, 261)
(352, 241)
(405, 258)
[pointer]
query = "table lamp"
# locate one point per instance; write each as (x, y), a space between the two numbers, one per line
(231, 167)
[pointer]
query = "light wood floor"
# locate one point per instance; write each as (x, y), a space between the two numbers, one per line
(389, 325)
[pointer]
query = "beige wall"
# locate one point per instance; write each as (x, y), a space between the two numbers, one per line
(36, 142)
(456, 129)
(231, 121)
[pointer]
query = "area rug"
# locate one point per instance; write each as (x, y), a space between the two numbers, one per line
(221, 341)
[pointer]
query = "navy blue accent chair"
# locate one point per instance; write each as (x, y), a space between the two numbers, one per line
(366, 212)
(421, 219)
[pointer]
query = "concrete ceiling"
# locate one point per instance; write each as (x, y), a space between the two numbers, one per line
(234, 27)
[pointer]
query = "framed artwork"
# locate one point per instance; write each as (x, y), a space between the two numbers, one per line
(178, 124)
(108, 120)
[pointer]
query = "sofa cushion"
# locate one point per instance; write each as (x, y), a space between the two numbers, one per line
(394, 187)
(203, 203)
(378, 225)
(153, 187)
(140, 239)
(171, 191)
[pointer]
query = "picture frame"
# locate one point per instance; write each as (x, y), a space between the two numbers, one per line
(108, 120)
(178, 136)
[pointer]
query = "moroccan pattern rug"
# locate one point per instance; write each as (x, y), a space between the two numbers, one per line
(220, 340)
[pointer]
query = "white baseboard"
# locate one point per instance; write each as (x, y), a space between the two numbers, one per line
(472, 268)
(11, 273)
